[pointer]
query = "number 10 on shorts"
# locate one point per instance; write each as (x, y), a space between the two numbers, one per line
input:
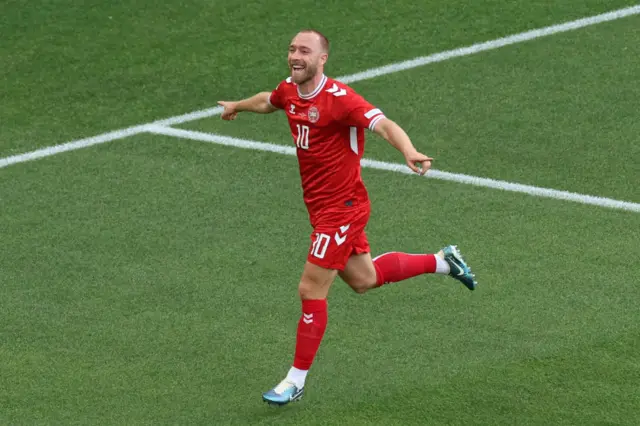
(319, 247)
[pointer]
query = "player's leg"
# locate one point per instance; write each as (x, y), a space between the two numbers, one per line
(359, 273)
(313, 289)
(363, 273)
(319, 273)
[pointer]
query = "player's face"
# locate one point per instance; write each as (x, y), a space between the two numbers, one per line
(306, 58)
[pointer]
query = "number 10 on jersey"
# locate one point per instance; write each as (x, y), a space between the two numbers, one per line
(302, 140)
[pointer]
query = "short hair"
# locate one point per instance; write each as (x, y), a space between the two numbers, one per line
(324, 41)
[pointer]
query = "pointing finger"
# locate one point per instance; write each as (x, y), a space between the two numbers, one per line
(413, 167)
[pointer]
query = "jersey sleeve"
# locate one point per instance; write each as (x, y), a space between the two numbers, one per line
(353, 110)
(277, 98)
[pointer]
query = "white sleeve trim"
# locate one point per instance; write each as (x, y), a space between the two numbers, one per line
(269, 100)
(375, 121)
(372, 113)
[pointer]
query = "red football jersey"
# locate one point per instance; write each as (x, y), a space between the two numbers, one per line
(328, 126)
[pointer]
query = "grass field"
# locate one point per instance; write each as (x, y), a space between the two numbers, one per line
(153, 279)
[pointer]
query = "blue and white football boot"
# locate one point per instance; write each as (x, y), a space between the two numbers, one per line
(283, 394)
(458, 267)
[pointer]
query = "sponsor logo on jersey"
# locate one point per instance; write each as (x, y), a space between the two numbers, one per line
(313, 114)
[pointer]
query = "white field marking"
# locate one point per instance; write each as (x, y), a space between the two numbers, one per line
(220, 140)
(192, 116)
(402, 168)
(490, 45)
(70, 146)
(364, 75)
(443, 56)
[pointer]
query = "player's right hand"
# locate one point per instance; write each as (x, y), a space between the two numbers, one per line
(229, 112)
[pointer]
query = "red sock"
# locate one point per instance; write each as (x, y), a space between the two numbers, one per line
(311, 328)
(393, 267)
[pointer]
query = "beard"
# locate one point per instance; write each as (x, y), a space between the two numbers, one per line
(305, 75)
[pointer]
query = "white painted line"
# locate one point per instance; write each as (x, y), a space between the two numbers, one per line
(70, 146)
(510, 186)
(401, 168)
(192, 116)
(220, 140)
(490, 45)
(364, 75)
(443, 56)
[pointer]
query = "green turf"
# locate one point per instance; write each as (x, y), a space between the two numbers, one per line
(152, 280)
(137, 290)
(547, 119)
(72, 70)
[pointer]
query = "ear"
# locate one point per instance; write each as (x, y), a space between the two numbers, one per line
(323, 58)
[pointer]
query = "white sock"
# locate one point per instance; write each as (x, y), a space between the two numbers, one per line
(442, 267)
(297, 377)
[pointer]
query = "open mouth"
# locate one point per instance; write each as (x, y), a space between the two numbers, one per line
(297, 68)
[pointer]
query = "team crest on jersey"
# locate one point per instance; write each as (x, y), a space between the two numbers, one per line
(313, 114)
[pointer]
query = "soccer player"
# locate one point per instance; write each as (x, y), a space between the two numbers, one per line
(328, 121)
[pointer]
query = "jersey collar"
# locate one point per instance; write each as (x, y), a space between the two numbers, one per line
(315, 91)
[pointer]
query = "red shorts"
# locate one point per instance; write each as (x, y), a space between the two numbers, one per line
(336, 237)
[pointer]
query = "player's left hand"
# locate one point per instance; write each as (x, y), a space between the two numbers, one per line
(413, 158)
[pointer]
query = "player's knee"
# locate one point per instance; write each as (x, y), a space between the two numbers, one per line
(361, 284)
(304, 290)
(360, 289)
(311, 290)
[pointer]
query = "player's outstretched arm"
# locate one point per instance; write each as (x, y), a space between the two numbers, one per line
(399, 139)
(258, 103)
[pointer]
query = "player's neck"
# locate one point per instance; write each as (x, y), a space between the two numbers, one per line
(311, 85)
